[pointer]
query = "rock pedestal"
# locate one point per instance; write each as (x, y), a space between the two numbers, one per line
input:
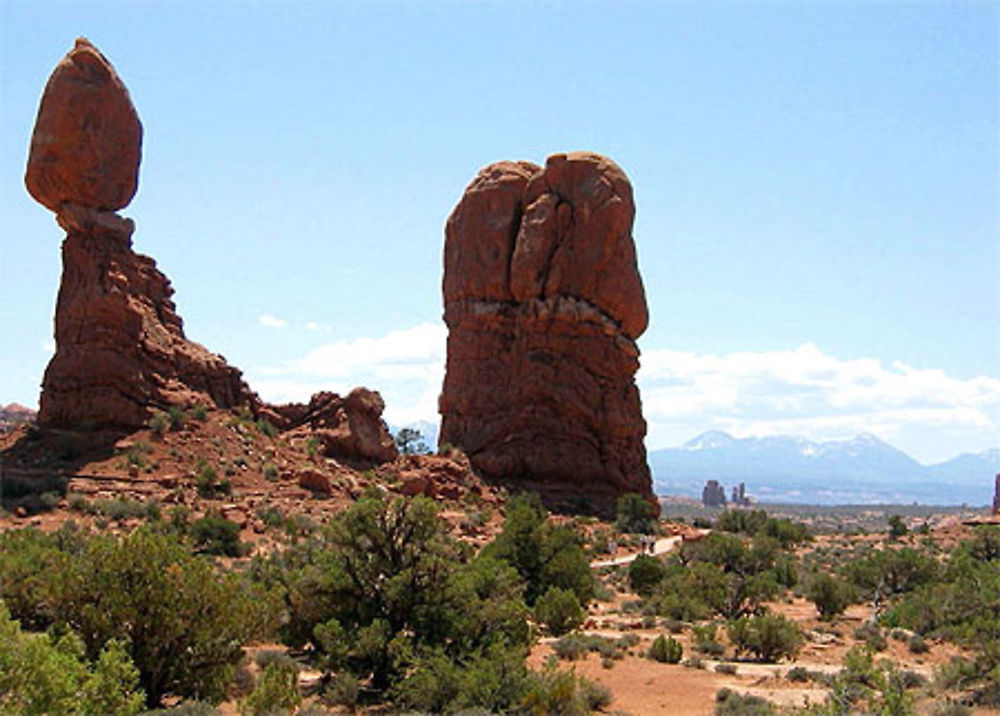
(543, 302)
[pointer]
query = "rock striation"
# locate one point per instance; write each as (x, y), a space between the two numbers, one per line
(544, 302)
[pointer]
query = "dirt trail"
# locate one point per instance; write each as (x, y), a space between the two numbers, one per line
(661, 546)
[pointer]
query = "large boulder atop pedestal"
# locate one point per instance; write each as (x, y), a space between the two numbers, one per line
(86, 143)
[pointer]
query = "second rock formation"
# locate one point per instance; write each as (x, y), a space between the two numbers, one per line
(544, 303)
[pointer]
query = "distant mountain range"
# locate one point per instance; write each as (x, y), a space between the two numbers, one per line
(862, 470)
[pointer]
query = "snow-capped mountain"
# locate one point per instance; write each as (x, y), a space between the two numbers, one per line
(786, 468)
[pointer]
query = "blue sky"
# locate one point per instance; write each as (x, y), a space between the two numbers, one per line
(816, 188)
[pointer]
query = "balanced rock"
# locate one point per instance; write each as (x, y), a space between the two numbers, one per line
(86, 143)
(120, 346)
(543, 302)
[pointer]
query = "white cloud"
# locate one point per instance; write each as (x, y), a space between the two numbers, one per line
(269, 321)
(48, 346)
(803, 391)
(405, 366)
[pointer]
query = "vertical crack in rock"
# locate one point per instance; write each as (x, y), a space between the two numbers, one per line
(543, 302)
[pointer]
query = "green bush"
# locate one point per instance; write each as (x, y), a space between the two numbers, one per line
(897, 528)
(544, 555)
(830, 595)
(158, 423)
(276, 692)
(384, 584)
(666, 649)
(563, 693)
(769, 637)
(635, 515)
(40, 673)
(917, 644)
(208, 483)
(872, 636)
(730, 703)
(559, 610)
(645, 573)
(184, 622)
(214, 534)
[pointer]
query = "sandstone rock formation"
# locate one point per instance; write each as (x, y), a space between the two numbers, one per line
(543, 302)
(120, 345)
(996, 495)
(350, 427)
(86, 144)
(121, 352)
(713, 494)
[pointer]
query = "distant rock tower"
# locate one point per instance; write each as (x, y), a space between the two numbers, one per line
(713, 494)
(996, 495)
(544, 303)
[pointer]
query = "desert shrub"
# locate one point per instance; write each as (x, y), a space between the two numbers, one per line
(706, 640)
(862, 686)
(727, 669)
(916, 644)
(891, 571)
(798, 674)
(769, 637)
(199, 412)
(726, 574)
(564, 693)
(912, 679)
(666, 649)
(214, 534)
(383, 585)
(730, 703)
(120, 508)
(41, 673)
(266, 427)
(757, 522)
(872, 636)
(830, 595)
(495, 680)
(571, 647)
(343, 690)
(158, 423)
(208, 483)
(276, 691)
(645, 573)
(559, 610)
(634, 515)
(961, 607)
(270, 472)
(544, 555)
(135, 454)
(897, 528)
(184, 622)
